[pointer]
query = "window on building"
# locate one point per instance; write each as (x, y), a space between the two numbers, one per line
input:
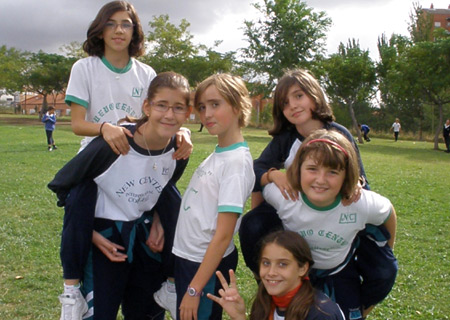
(437, 24)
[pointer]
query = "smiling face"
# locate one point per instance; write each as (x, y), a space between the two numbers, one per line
(218, 116)
(163, 125)
(279, 271)
(118, 39)
(298, 106)
(319, 183)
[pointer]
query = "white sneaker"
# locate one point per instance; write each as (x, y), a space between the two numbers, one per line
(166, 300)
(73, 306)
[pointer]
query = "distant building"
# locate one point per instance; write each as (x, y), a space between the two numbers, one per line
(441, 17)
(32, 103)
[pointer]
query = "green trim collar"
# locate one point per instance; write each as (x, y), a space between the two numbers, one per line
(117, 70)
(231, 147)
(313, 206)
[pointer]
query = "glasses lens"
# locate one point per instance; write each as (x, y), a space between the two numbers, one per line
(110, 25)
(179, 109)
(127, 25)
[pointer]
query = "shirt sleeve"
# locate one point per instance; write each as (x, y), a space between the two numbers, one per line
(78, 87)
(88, 164)
(377, 207)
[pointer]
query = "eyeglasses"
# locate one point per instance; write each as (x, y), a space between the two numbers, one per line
(112, 25)
(162, 107)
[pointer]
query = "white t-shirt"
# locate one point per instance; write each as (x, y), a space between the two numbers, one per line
(396, 126)
(108, 94)
(222, 183)
(132, 185)
(329, 231)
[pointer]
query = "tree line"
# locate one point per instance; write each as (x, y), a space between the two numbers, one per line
(410, 81)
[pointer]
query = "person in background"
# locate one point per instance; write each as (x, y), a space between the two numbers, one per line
(365, 129)
(49, 119)
(446, 134)
(396, 126)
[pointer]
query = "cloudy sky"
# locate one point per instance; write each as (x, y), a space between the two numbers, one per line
(47, 25)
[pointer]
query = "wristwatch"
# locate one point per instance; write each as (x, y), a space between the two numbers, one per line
(193, 293)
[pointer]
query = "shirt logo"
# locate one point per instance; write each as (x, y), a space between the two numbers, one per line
(347, 218)
(165, 171)
(137, 92)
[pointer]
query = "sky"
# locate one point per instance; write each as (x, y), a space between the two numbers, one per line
(48, 25)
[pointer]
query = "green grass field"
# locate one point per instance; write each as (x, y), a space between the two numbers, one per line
(411, 174)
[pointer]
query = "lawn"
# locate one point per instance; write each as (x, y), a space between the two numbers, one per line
(411, 174)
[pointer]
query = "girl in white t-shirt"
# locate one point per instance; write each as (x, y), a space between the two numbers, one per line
(111, 84)
(214, 199)
(325, 171)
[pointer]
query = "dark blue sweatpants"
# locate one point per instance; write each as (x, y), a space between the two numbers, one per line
(185, 271)
(76, 239)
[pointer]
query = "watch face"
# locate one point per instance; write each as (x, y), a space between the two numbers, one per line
(192, 292)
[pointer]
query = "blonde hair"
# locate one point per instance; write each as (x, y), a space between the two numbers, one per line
(233, 90)
(330, 149)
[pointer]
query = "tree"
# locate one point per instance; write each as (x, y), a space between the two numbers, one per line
(399, 98)
(47, 74)
(350, 79)
(428, 64)
(73, 50)
(420, 25)
(289, 34)
(171, 48)
(12, 67)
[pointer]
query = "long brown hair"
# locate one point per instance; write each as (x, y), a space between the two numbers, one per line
(301, 303)
(311, 87)
(328, 155)
(95, 45)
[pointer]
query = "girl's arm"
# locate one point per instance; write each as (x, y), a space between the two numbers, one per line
(226, 222)
(391, 226)
(230, 300)
(115, 136)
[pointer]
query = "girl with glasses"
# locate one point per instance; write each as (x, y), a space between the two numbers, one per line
(133, 192)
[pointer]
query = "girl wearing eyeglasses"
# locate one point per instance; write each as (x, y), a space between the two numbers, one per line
(111, 84)
(133, 192)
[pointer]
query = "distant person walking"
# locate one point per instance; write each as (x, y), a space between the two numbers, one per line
(446, 134)
(49, 119)
(365, 129)
(396, 127)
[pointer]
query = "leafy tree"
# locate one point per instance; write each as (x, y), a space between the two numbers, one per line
(171, 48)
(289, 34)
(73, 50)
(12, 67)
(420, 24)
(47, 74)
(350, 79)
(399, 98)
(428, 65)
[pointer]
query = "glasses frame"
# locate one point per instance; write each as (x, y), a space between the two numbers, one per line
(163, 108)
(126, 26)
